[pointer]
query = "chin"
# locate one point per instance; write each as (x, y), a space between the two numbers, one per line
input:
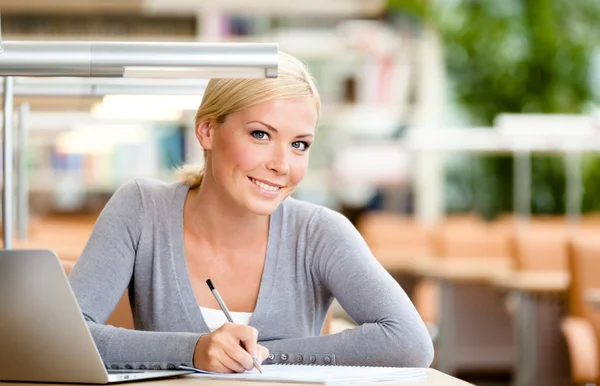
(263, 203)
(263, 208)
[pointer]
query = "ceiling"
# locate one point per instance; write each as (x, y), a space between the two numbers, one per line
(273, 7)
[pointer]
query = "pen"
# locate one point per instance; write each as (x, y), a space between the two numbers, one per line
(226, 312)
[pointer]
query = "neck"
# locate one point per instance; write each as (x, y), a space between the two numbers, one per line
(214, 220)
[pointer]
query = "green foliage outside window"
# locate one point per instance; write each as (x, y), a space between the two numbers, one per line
(515, 56)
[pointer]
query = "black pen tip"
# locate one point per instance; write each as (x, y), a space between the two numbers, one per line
(210, 285)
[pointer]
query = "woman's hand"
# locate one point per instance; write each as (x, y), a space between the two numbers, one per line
(221, 352)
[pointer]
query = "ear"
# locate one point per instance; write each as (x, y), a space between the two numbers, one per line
(204, 132)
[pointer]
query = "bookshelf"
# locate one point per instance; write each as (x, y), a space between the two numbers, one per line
(98, 162)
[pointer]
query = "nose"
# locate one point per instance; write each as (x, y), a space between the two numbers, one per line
(279, 162)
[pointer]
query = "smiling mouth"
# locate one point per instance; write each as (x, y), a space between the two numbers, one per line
(265, 186)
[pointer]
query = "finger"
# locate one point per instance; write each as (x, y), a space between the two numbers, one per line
(242, 347)
(249, 337)
(240, 355)
(219, 367)
(231, 364)
(263, 353)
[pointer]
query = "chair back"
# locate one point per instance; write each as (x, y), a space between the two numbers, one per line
(474, 239)
(401, 235)
(540, 250)
(584, 267)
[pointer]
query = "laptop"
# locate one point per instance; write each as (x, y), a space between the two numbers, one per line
(43, 335)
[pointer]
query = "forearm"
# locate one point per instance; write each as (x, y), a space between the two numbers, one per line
(390, 332)
(124, 349)
(385, 343)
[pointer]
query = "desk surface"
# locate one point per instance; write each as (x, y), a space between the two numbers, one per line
(445, 268)
(535, 282)
(434, 378)
(412, 265)
(465, 270)
(494, 271)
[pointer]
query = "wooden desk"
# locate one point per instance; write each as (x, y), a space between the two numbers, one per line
(434, 378)
(476, 328)
(533, 282)
(404, 263)
(463, 270)
(475, 333)
(456, 269)
(542, 357)
(592, 296)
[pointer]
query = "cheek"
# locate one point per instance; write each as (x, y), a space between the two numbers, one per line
(298, 169)
(240, 157)
(245, 158)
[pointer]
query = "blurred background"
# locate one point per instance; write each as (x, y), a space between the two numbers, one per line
(461, 137)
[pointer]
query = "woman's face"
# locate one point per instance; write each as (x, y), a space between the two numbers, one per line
(259, 155)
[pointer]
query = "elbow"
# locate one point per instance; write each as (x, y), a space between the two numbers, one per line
(423, 353)
(404, 347)
(414, 349)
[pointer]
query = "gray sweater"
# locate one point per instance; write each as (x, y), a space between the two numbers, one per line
(314, 254)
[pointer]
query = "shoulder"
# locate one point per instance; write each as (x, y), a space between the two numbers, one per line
(146, 188)
(142, 196)
(327, 236)
(318, 220)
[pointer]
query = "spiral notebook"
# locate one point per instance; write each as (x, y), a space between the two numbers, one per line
(320, 374)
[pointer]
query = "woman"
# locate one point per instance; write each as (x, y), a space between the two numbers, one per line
(276, 261)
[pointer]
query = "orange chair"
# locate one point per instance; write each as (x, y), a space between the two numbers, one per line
(591, 221)
(536, 249)
(391, 234)
(582, 327)
(472, 240)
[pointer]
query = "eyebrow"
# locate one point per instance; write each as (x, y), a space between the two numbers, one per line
(271, 128)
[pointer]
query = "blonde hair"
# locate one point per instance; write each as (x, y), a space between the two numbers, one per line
(226, 96)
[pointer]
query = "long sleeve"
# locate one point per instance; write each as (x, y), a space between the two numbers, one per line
(103, 273)
(390, 332)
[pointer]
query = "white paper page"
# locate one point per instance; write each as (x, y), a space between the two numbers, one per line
(321, 374)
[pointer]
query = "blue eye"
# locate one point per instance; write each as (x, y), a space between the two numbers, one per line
(259, 134)
(301, 145)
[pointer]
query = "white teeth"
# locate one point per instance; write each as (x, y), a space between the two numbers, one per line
(264, 186)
